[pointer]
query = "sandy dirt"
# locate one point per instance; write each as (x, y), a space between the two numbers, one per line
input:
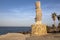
(49, 36)
(13, 36)
(19, 36)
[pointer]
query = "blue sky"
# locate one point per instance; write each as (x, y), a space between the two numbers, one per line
(22, 12)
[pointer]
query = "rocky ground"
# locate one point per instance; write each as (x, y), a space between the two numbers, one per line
(55, 36)
(13, 36)
(19, 36)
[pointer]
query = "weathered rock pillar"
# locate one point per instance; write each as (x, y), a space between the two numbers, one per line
(38, 28)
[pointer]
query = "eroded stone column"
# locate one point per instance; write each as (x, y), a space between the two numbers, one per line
(38, 28)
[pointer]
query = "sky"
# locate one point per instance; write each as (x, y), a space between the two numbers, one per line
(22, 12)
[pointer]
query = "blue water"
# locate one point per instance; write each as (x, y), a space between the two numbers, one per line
(4, 30)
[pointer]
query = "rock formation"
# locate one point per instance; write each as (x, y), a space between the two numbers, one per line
(38, 28)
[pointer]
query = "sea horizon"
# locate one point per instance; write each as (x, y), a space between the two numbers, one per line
(11, 29)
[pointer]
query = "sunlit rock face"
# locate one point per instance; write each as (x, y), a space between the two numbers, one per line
(38, 28)
(38, 12)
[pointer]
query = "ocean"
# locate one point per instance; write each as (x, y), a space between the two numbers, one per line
(11, 29)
